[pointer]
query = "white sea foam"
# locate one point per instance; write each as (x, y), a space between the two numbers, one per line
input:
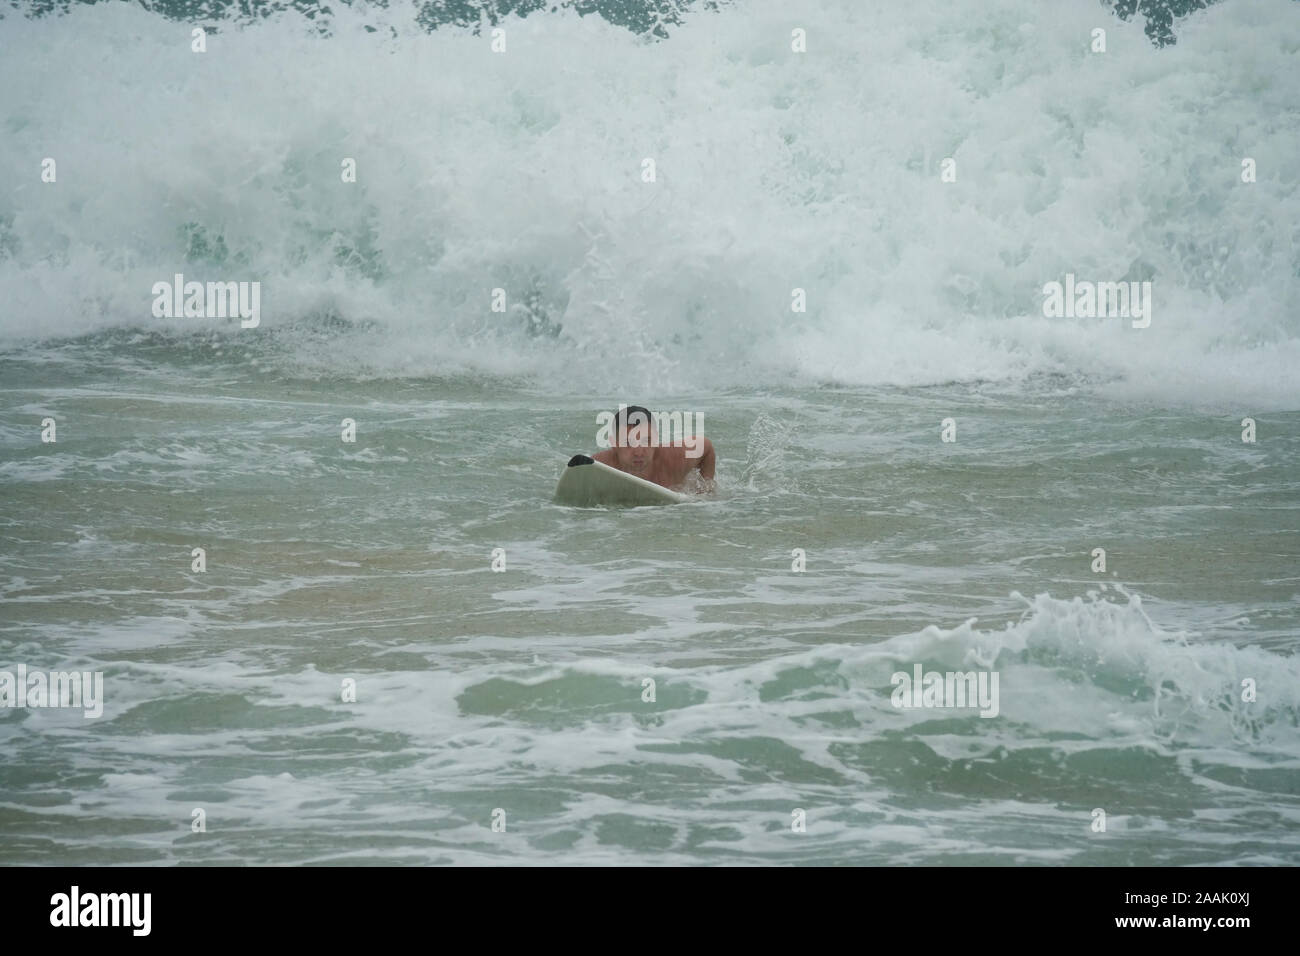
(775, 171)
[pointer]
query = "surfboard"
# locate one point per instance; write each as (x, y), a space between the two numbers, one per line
(588, 483)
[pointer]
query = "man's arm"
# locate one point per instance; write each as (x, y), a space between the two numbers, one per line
(706, 462)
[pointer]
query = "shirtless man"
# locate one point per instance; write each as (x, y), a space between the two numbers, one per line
(636, 450)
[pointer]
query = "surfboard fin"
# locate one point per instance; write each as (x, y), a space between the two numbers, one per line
(580, 460)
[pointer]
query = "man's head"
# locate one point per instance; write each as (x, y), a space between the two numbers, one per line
(634, 438)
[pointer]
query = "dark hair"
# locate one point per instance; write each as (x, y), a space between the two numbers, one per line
(618, 416)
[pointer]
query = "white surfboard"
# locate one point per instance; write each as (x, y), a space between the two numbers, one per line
(587, 483)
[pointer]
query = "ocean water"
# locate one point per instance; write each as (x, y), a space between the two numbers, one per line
(1164, 690)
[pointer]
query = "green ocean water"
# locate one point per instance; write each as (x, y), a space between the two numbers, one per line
(521, 690)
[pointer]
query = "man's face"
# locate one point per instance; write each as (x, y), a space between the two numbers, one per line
(635, 444)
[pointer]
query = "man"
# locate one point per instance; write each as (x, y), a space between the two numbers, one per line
(636, 450)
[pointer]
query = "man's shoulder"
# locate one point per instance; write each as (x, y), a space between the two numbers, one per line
(682, 449)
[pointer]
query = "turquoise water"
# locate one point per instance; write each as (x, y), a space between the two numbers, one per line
(522, 690)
